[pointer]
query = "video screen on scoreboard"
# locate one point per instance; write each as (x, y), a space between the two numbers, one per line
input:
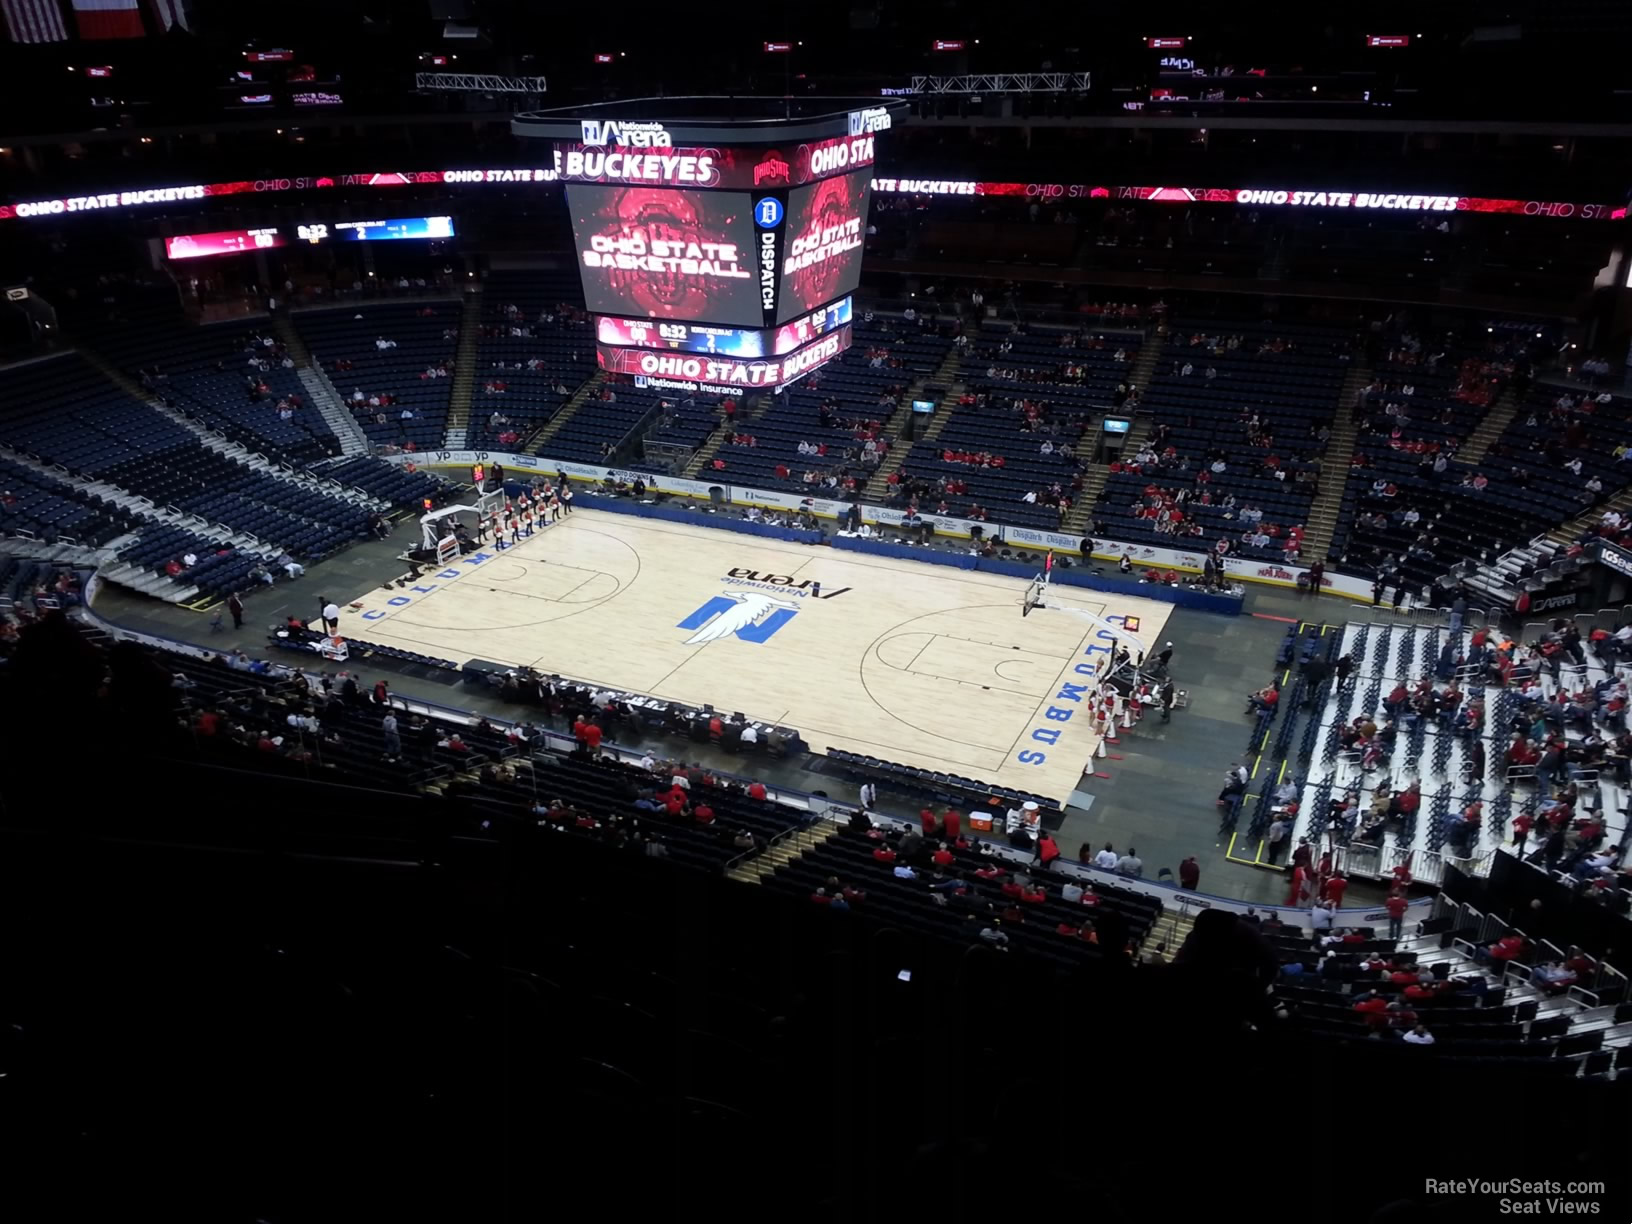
(821, 247)
(679, 337)
(222, 242)
(397, 227)
(806, 328)
(666, 254)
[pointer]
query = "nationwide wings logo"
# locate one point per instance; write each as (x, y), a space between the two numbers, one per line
(752, 615)
(760, 605)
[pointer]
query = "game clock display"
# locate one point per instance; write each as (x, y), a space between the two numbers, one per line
(222, 242)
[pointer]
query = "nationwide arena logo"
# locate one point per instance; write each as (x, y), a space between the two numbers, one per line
(873, 119)
(622, 132)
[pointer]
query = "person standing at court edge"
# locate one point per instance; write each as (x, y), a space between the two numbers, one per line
(1189, 874)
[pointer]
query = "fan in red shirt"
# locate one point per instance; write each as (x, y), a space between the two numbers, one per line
(703, 814)
(1047, 850)
(1507, 948)
(953, 823)
(942, 857)
(592, 737)
(1298, 886)
(926, 818)
(756, 790)
(1334, 888)
(1034, 895)
(1396, 906)
(884, 854)
(1374, 1009)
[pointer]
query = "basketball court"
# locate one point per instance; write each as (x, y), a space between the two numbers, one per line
(921, 664)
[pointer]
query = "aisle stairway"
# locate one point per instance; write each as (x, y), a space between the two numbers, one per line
(941, 385)
(753, 409)
(211, 438)
(1327, 507)
(1491, 427)
(1172, 927)
(783, 852)
(1500, 583)
(1096, 474)
(1093, 483)
(1145, 368)
(149, 513)
(298, 352)
(321, 394)
(216, 441)
(535, 445)
(464, 370)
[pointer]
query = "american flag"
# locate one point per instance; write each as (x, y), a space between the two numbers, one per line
(34, 21)
(109, 18)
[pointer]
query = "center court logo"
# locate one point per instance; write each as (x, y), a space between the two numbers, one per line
(761, 605)
(752, 615)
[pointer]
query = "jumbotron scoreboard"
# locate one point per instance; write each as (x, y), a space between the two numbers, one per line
(718, 242)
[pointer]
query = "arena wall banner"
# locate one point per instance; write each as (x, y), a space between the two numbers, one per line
(1375, 199)
(1187, 561)
(528, 464)
(805, 164)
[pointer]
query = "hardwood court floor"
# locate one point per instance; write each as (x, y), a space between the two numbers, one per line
(909, 662)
